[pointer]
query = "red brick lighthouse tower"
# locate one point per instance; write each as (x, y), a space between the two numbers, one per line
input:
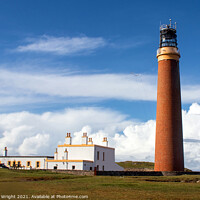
(169, 137)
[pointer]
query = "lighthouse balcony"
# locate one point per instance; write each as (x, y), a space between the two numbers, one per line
(168, 26)
(168, 50)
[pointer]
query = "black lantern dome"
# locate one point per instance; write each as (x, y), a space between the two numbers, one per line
(168, 37)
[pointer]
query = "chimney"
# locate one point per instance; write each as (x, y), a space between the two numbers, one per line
(105, 141)
(5, 152)
(56, 155)
(68, 139)
(85, 139)
(90, 141)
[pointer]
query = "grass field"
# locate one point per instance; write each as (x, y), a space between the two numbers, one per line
(136, 165)
(19, 182)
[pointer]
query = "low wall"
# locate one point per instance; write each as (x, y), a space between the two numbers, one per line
(143, 173)
(128, 173)
(179, 173)
(74, 172)
(117, 173)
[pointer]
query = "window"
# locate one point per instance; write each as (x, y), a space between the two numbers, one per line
(73, 167)
(9, 163)
(55, 167)
(97, 167)
(103, 168)
(14, 164)
(28, 163)
(97, 155)
(103, 156)
(37, 164)
(18, 163)
(90, 168)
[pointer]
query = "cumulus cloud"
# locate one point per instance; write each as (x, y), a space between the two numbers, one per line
(33, 145)
(19, 129)
(63, 45)
(25, 133)
(136, 142)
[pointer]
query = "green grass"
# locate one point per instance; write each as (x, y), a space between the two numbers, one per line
(130, 165)
(136, 165)
(99, 187)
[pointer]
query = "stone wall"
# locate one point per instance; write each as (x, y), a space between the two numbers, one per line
(118, 173)
(128, 173)
(143, 173)
(74, 172)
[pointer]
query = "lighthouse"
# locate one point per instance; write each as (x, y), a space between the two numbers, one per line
(169, 136)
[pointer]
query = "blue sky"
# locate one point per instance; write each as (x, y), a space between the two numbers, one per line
(128, 34)
(97, 59)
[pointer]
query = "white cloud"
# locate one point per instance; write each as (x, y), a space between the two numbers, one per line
(136, 142)
(16, 129)
(63, 45)
(33, 145)
(25, 88)
(194, 109)
(191, 93)
(133, 140)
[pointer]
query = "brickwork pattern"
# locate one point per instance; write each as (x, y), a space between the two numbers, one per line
(169, 138)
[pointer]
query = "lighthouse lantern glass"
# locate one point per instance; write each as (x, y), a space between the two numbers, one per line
(168, 37)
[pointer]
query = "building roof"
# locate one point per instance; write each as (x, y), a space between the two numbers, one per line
(83, 145)
(69, 161)
(27, 156)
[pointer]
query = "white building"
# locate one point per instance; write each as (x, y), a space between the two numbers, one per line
(85, 156)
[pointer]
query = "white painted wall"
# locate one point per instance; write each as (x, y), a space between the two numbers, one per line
(68, 165)
(109, 158)
(88, 165)
(24, 160)
(77, 153)
(59, 165)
